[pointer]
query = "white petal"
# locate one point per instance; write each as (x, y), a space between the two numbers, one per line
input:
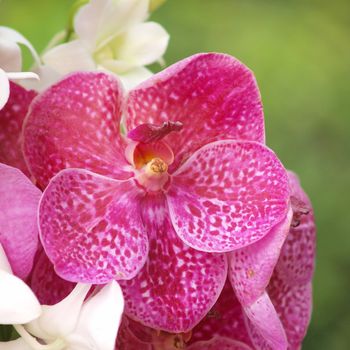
(10, 56)
(143, 44)
(60, 319)
(18, 344)
(11, 35)
(134, 77)
(18, 303)
(69, 57)
(4, 88)
(99, 320)
(100, 20)
(4, 263)
(47, 75)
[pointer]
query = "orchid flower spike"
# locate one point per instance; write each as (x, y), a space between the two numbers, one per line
(111, 36)
(11, 61)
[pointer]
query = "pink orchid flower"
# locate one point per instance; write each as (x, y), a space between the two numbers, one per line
(158, 207)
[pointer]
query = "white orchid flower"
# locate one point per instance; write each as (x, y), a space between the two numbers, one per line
(72, 324)
(11, 61)
(111, 35)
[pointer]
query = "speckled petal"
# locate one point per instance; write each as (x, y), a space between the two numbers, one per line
(75, 124)
(228, 195)
(48, 287)
(19, 200)
(214, 95)
(11, 120)
(251, 268)
(169, 292)
(224, 319)
(293, 305)
(221, 343)
(265, 327)
(91, 227)
(297, 262)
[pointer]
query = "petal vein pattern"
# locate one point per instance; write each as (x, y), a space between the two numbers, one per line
(75, 124)
(228, 195)
(91, 227)
(178, 285)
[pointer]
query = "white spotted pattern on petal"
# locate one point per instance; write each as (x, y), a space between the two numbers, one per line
(75, 124)
(178, 285)
(91, 227)
(228, 195)
(214, 95)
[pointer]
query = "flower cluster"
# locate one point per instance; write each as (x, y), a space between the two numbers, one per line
(145, 203)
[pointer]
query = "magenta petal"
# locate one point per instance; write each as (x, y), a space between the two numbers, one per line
(19, 200)
(48, 287)
(297, 261)
(178, 285)
(75, 124)
(265, 327)
(224, 319)
(219, 343)
(91, 227)
(214, 95)
(293, 305)
(11, 120)
(251, 268)
(228, 195)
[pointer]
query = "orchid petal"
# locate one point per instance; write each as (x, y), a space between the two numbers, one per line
(18, 303)
(11, 35)
(19, 200)
(297, 261)
(91, 227)
(221, 343)
(18, 344)
(100, 20)
(10, 55)
(48, 76)
(251, 267)
(4, 263)
(11, 121)
(293, 305)
(48, 287)
(75, 124)
(213, 95)
(134, 77)
(264, 325)
(143, 44)
(168, 292)
(4, 89)
(60, 320)
(69, 57)
(99, 320)
(225, 319)
(228, 195)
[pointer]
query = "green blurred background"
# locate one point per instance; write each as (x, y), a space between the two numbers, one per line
(300, 53)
